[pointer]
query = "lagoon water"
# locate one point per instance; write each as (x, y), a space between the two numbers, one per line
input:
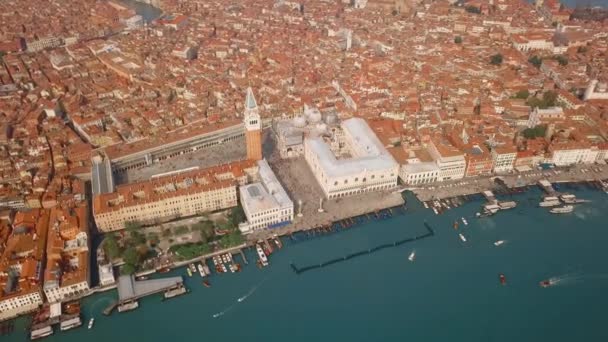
(450, 293)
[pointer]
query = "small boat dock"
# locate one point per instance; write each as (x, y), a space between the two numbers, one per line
(129, 289)
(546, 186)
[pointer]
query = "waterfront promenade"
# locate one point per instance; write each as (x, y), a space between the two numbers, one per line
(475, 185)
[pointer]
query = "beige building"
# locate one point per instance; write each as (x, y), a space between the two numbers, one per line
(172, 196)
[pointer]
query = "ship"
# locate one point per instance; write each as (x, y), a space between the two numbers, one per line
(464, 221)
(263, 258)
(412, 256)
(502, 279)
(91, 322)
(562, 210)
(462, 238)
(549, 201)
(499, 242)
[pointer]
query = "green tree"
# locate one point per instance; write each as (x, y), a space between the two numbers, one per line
(522, 94)
(536, 61)
(231, 240)
(535, 132)
(132, 226)
(472, 9)
(131, 256)
(496, 59)
(562, 60)
(110, 246)
(237, 215)
(458, 39)
(127, 269)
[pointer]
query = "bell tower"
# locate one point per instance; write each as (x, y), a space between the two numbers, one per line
(253, 127)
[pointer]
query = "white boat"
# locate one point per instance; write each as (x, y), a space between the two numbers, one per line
(549, 201)
(201, 270)
(128, 306)
(412, 256)
(571, 199)
(507, 205)
(263, 258)
(462, 237)
(70, 323)
(464, 221)
(189, 272)
(91, 322)
(491, 208)
(499, 242)
(562, 210)
(435, 210)
(426, 206)
(41, 332)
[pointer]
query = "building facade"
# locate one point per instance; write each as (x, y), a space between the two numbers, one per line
(265, 203)
(451, 161)
(172, 196)
(368, 167)
(503, 159)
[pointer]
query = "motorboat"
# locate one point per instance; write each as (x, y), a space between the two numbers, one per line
(466, 223)
(502, 279)
(261, 255)
(549, 201)
(562, 210)
(462, 238)
(499, 242)
(547, 283)
(91, 322)
(201, 270)
(412, 256)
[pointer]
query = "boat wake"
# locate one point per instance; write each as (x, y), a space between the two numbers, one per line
(239, 300)
(253, 289)
(571, 278)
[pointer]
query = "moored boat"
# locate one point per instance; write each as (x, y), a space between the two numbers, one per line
(261, 255)
(562, 210)
(549, 201)
(201, 270)
(189, 272)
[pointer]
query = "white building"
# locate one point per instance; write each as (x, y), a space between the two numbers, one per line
(503, 159)
(368, 166)
(451, 161)
(15, 305)
(571, 153)
(266, 204)
(68, 291)
(106, 274)
(596, 91)
(419, 173)
(539, 115)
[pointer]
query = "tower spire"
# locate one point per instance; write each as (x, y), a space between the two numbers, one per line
(253, 127)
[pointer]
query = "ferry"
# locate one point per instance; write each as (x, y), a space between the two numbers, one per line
(201, 270)
(503, 279)
(91, 322)
(499, 242)
(562, 210)
(549, 201)
(263, 258)
(491, 208)
(462, 238)
(128, 306)
(412, 256)
(41, 332)
(464, 221)
(70, 323)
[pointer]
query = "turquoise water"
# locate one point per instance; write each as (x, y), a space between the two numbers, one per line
(450, 293)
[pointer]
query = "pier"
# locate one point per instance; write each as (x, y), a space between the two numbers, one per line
(130, 289)
(375, 249)
(546, 186)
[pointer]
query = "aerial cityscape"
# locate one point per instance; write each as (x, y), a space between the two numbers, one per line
(349, 170)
